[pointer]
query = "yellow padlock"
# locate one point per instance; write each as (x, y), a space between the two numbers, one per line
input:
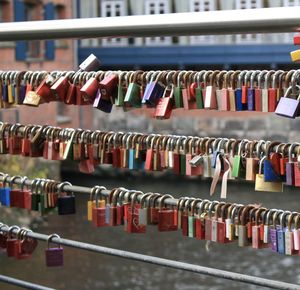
(295, 55)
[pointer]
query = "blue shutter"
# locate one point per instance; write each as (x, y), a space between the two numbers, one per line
(19, 12)
(49, 12)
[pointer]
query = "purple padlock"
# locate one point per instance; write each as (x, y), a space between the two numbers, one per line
(101, 104)
(153, 93)
(54, 256)
(251, 99)
(288, 107)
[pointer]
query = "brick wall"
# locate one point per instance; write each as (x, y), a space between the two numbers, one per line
(64, 60)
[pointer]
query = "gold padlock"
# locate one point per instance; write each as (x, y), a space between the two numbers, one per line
(262, 185)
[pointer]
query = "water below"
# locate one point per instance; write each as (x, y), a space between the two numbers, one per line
(86, 270)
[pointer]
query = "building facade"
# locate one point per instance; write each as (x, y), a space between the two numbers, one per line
(47, 55)
(192, 52)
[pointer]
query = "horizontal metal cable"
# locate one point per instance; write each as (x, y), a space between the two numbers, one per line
(23, 284)
(88, 190)
(68, 133)
(163, 262)
(266, 20)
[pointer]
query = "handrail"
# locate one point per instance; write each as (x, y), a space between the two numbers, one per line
(264, 20)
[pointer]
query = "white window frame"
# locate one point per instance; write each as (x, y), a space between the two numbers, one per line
(248, 4)
(156, 4)
(203, 5)
(288, 37)
(89, 9)
(116, 41)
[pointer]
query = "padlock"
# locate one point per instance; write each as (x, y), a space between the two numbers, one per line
(289, 166)
(192, 168)
(243, 239)
(289, 107)
(238, 168)
(5, 192)
(98, 212)
(271, 172)
(185, 209)
(163, 109)
(144, 209)
(215, 223)
(296, 234)
(273, 231)
(132, 97)
(275, 91)
(251, 92)
(208, 221)
(241, 104)
(25, 196)
(295, 55)
(281, 230)
(192, 216)
(91, 204)
(178, 102)
(260, 92)
(54, 256)
(14, 141)
(108, 87)
(257, 238)
(21, 254)
(65, 203)
(165, 216)
(60, 87)
(154, 90)
(251, 162)
(90, 88)
(189, 102)
(3, 237)
(15, 194)
(44, 91)
(210, 101)
(262, 185)
(91, 63)
(27, 245)
(102, 104)
(289, 236)
(133, 225)
(31, 97)
(12, 244)
(199, 219)
(153, 208)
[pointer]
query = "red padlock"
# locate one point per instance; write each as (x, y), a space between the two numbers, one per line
(98, 212)
(60, 88)
(133, 225)
(12, 244)
(166, 216)
(108, 87)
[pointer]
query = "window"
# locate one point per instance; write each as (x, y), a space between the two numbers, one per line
(113, 8)
(248, 4)
(201, 6)
(60, 13)
(288, 37)
(157, 7)
(33, 48)
(89, 9)
(4, 11)
(31, 10)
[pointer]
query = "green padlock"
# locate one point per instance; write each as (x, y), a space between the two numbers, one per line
(177, 91)
(119, 102)
(133, 94)
(238, 168)
(35, 197)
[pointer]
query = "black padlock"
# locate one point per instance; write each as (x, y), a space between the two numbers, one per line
(65, 203)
